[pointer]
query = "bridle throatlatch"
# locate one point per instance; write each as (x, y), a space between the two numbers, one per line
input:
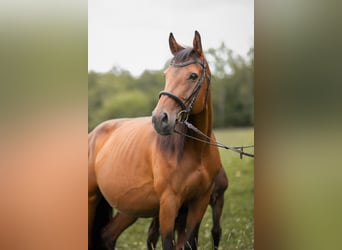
(182, 116)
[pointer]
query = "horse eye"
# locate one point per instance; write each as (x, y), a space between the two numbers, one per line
(193, 76)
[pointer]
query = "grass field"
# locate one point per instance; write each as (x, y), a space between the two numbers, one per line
(237, 219)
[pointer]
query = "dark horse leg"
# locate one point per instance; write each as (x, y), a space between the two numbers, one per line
(216, 203)
(216, 230)
(192, 242)
(153, 234)
(112, 231)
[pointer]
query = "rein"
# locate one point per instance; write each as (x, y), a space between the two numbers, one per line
(209, 141)
(182, 116)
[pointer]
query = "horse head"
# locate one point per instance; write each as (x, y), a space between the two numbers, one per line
(187, 82)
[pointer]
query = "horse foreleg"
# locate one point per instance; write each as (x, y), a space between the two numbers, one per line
(169, 206)
(196, 210)
(114, 228)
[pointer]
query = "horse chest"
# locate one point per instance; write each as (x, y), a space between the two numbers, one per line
(196, 183)
(188, 184)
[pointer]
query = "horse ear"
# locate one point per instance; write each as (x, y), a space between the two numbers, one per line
(174, 46)
(197, 45)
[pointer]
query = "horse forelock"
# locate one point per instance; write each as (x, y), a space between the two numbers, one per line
(188, 54)
(184, 55)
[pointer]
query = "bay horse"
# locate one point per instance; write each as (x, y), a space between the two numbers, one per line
(147, 166)
(113, 230)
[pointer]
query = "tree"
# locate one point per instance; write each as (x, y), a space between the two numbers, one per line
(232, 87)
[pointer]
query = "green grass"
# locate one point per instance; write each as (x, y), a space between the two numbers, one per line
(237, 219)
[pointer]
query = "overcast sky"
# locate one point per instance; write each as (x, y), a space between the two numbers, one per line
(133, 34)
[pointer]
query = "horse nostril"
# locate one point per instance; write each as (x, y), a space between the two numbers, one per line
(163, 123)
(165, 118)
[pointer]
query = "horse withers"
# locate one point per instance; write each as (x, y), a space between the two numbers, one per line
(143, 168)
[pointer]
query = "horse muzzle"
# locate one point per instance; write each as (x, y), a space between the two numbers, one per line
(163, 122)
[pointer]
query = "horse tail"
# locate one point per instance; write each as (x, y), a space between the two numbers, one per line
(99, 210)
(103, 216)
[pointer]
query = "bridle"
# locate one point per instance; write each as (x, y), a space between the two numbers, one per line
(185, 111)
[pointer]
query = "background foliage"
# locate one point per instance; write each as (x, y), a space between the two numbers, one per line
(119, 94)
